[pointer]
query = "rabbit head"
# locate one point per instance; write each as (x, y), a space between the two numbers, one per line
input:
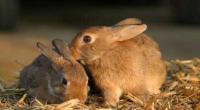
(92, 43)
(74, 81)
(40, 80)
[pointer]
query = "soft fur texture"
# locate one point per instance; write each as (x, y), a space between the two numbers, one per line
(43, 78)
(121, 59)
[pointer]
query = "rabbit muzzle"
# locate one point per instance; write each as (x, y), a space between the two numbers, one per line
(75, 53)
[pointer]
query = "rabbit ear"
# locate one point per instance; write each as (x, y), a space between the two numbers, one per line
(125, 32)
(52, 55)
(62, 47)
(129, 21)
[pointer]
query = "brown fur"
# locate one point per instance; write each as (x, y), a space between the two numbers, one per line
(129, 21)
(121, 59)
(78, 80)
(43, 78)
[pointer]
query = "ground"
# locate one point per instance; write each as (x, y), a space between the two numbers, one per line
(181, 90)
(177, 41)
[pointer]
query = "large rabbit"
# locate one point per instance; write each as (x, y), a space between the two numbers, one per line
(54, 77)
(121, 59)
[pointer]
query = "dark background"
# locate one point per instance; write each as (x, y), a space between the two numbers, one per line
(97, 11)
(174, 24)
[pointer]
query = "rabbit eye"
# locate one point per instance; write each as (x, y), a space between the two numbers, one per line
(87, 39)
(64, 81)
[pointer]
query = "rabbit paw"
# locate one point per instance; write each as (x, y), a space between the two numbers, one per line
(112, 97)
(110, 103)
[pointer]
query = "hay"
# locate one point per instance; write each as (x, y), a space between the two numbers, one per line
(180, 91)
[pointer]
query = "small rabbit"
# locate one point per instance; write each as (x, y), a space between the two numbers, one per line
(121, 59)
(54, 77)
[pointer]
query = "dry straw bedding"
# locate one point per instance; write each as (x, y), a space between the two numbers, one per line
(181, 91)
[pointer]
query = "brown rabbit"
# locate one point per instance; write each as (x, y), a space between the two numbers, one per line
(121, 59)
(55, 78)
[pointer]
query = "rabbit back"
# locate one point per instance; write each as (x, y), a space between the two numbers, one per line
(134, 65)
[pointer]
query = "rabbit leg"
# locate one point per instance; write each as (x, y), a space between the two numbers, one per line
(154, 91)
(153, 86)
(111, 94)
